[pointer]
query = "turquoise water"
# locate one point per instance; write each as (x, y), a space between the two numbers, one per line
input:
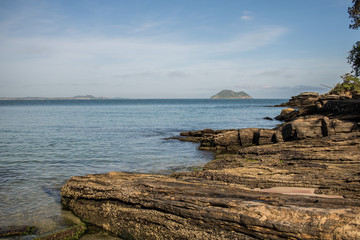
(43, 143)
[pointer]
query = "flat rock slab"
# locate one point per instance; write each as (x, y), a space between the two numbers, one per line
(142, 206)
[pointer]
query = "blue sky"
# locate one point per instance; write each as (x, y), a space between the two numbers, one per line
(172, 49)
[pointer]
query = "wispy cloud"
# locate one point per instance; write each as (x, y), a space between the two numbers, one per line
(247, 16)
(149, 51)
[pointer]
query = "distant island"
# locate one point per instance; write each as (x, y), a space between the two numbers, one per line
(229, 94)
(84, 97)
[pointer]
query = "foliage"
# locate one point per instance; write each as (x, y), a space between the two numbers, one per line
(354, 58)
(251, 160)
(354, 54)
(350, 84)
(354, 13)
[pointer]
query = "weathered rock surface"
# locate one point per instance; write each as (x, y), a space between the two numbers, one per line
(329, 164)
(231, 140)
(144, 206)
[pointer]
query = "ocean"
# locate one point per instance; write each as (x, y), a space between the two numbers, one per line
(43, 143)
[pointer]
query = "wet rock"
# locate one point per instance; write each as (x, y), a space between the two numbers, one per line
(9, 231)
(74, 232)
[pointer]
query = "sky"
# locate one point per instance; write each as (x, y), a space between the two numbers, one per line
(172, 49)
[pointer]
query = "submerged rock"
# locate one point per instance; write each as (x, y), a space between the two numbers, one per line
(9, 231)
(74, 232)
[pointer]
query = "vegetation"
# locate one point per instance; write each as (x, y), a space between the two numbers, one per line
(229, 94)
(354, 13)
(354, 54)
(350, 85)
(251, 160)
(354, 58)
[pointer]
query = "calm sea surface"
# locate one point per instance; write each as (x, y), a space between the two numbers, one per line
(43, 143)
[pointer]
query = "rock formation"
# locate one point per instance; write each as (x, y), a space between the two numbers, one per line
(301, 100)
(300, 180)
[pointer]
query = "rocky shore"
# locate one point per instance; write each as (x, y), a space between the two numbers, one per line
(300, 180)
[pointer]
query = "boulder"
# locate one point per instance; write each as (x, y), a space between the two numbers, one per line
(227, 138)
(246, 136)
(327, 127)
(343, 126)
(303, 127)
(266, 136)
(285, 113)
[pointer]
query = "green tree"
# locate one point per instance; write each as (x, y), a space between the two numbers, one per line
(354, 54)
(354, 13)
(350, 84)
(354, 58)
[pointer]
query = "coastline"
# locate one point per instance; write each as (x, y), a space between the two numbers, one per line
(304, 159)
(309, 161)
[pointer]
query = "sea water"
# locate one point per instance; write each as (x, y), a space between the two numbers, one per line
(43, 143)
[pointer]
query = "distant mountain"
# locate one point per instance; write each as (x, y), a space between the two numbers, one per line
(85, 97)
(229, 94)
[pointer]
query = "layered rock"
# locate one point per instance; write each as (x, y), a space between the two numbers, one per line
(340, 109)
(231, 140)
(329, 164)
(306, 99)
(140, 206)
